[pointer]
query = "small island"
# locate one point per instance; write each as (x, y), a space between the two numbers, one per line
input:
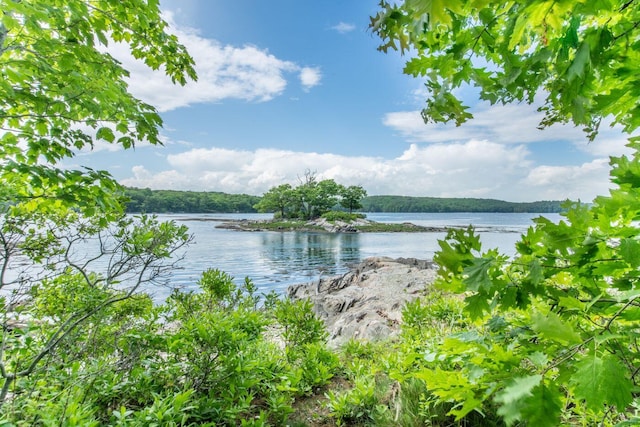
(323, 224)
(311, 206)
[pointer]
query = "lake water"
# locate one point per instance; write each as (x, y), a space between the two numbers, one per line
(275, 260)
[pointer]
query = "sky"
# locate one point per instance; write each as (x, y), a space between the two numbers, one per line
(287, 87)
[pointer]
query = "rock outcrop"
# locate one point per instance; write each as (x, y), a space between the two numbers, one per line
(366, 303)
(339, 226)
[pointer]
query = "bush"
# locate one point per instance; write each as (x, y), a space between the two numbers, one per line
(333, 216)
(201, 358)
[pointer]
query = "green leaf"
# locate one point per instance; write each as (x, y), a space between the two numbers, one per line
(543, 407)
(518, 31)
(512, 395)
(580, 62)
(477, 274)
(518, 388)
(477, 305)
(630, 251)
(106, 134)
(602, 380)
(553, 328)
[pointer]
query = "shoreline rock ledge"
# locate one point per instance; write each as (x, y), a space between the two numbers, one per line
(366, 303)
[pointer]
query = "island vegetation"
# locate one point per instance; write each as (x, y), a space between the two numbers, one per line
(311, 198)
(544, 338)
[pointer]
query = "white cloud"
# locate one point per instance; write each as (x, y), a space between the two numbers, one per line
(505, 124)
(477, 168)
(224, 72)
(582, 182)
(343, 27)
(310, 77)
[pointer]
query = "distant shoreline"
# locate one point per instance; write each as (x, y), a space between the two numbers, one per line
(212, 202)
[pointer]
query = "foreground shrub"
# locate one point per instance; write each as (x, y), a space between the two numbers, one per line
(548, 337)
(203, 357)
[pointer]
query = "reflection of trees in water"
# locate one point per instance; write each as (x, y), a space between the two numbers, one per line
(310, 253)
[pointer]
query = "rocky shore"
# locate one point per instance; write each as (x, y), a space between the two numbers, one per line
(322, 224)
(366, 303)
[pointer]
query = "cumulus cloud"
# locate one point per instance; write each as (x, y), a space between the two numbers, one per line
(224, 72)
(476, 168)
(343, 27)
(505, 124)
(582, 182)
(310, 77)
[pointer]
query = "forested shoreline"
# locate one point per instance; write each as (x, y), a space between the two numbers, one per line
(174, 201)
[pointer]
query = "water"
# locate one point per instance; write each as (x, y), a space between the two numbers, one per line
(275, 260)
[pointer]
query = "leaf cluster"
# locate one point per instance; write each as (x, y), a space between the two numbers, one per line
(549, 336)
(581, 57)
(61, 92)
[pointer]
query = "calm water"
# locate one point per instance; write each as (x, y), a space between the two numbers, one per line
(275, 260)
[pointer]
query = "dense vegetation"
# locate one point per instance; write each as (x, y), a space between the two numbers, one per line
(310, 199)
(436, 204)
(548, 337)
(171, 201)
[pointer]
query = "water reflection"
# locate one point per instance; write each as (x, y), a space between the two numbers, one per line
(310, 253)
(275, 260)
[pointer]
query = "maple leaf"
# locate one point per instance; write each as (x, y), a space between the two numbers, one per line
(477, 274)
(543, 407)
(512, 395)
(602, 380)
(552, 327)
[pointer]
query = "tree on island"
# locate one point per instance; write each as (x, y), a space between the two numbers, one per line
(351, 197)
(311, 199)
(551, 332)
(277, 199)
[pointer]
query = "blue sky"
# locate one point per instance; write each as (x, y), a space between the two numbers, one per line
(287, 86)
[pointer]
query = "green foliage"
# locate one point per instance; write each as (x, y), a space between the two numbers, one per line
(299, 322)
(170, 201)
(333, 216)
(60, 312)
(278, 199)
(580, 56)
(207, 357)
(311, 199)
(555, 327)
(549, 336)
(351, 197)
(355, 406)
(437, 204)
(61, 92)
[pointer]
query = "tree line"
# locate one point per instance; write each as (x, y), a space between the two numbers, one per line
(282, 200)
(172, 201)
(437, 204)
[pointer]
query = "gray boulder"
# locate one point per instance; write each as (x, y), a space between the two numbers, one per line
(366, 303)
